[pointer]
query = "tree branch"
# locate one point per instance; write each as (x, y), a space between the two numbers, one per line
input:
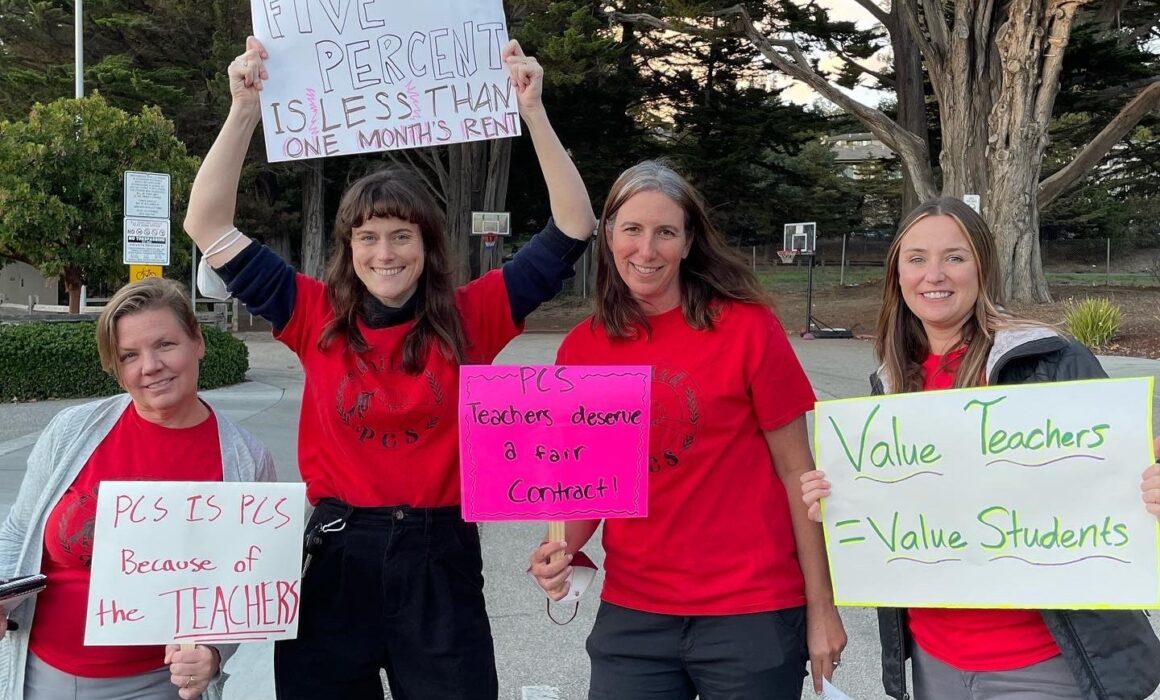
(1055, 44)
(1094, 152)
(879, 76)
(879, 14)
(936, 24)
(934, 54)
(9, 256)
(910, 148)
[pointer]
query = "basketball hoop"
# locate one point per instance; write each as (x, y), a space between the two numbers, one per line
(787, 256)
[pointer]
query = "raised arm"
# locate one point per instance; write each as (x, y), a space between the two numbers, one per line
(567, 195)
(215, 189)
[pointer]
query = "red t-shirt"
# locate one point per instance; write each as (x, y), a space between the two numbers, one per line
(718, 538)
(135, 450)
(977, 640)
(371, 434)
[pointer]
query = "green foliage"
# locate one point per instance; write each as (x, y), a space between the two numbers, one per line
(61, 192)
(1093, 322)
(59, 360)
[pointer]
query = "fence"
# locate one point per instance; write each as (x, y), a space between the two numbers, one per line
(1078, 262)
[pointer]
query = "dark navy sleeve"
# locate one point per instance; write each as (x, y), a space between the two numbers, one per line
(263, 282)
(538, 270)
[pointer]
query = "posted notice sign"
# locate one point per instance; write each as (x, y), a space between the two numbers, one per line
(1000, 497)
(146, 241)
(379, 75)
(548, 442)
(146, 195)
(195, 562)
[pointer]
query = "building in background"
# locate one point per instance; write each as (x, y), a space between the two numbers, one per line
(18, 281)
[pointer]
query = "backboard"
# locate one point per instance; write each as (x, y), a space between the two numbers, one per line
(802, 237)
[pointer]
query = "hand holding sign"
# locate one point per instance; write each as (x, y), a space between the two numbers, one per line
(527, 77)
(191, 669)
(1150, 486)
(246, 75)
(814, 489)
(552, 575)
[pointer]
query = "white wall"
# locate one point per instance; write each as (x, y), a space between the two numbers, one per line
(18, 281)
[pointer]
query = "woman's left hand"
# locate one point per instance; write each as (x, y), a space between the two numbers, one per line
(527, 77)
(1150, 484)
(825, 639)
(191, 670)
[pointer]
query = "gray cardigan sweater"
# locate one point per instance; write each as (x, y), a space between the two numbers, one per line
(61, 451)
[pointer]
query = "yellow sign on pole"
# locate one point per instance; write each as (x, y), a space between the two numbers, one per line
(140, 272)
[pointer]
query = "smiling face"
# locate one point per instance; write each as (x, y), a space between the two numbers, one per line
(388, 258)
(157, 363)
(648, 239)
(938, 276)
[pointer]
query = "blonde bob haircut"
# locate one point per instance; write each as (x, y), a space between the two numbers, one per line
(902, 344)
(150, 293)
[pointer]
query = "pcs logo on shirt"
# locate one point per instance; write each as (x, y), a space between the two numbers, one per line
(388, 407)
(676, 418)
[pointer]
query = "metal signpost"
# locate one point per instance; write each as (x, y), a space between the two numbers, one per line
(801, 239)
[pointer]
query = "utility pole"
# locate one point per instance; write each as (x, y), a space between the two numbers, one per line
(78, 41)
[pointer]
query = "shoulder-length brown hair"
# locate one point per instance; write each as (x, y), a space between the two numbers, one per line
(711, 273)
(902, 344)
(395, 192)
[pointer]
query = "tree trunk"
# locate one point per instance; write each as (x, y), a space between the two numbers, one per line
(908, 81)
(73, 281)
(313, 227)
(463, 160)
(996, 91)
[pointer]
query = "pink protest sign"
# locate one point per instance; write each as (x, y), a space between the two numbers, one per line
(546, 442)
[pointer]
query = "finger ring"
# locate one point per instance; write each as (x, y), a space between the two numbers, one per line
(189, 681)
(837, 663)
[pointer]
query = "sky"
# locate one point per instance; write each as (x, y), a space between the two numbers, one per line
(841, 10)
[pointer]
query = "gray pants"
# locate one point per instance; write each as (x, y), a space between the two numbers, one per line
(645, 656)
(1046, 680)
(43, 682)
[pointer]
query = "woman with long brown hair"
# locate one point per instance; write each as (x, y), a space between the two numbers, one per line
(394, 576)
(723, 590)
(942, 326)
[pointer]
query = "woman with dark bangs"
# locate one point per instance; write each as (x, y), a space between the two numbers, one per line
(394, 576)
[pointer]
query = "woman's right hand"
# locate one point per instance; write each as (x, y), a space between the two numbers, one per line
(246, 75)
(552, 576)
(814, 489)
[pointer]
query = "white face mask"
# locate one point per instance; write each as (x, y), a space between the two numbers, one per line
(209, 282)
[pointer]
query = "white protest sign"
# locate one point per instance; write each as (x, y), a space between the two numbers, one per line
(378, 75)
(146, 241)
(195, 562)
(1010, 496)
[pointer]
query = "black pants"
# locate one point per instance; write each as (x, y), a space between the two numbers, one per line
(399, 589)
(645, 656)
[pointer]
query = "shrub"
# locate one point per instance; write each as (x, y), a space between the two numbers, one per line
(49, 360)
(1093, 322)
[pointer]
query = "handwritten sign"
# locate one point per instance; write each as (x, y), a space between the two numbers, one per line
(379, 75)
(1012, 496)
(195, 562)
(554, 442)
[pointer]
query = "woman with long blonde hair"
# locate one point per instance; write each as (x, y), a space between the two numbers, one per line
(942, 326)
